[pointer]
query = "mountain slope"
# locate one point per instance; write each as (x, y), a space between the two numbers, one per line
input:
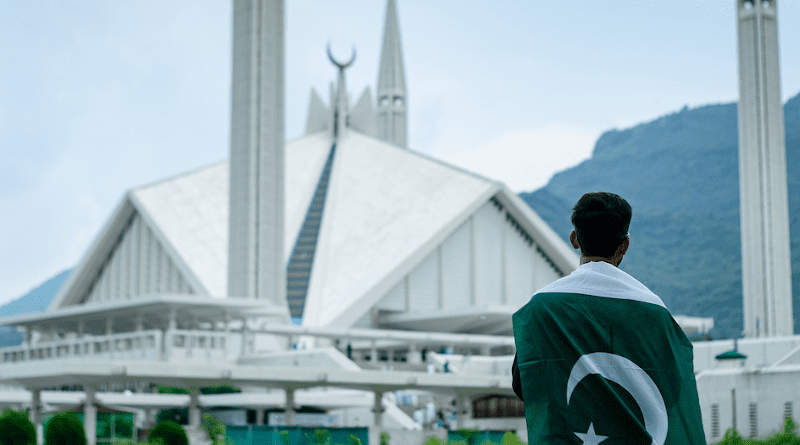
(680, 173)
(36, 300)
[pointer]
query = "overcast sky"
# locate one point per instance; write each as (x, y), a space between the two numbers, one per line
(99, 96)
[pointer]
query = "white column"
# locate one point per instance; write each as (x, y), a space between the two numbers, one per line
(473, 247)
(463, 411)
(256, 267)
(109, 325)
(414, 355)
(373, 352)
(503, 261)
(139, 322)
(35, 414)
(763, 194)
(377, 408)
(90, 416)
(289, 413)
(227, 333)
(173, 319)
(245, 337)
(169, 341)
(194, 407)
(441, 283)
(259, 415)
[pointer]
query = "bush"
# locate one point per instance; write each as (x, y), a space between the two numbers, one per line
(786, 437)
(320, 437)
(16, 429)
(433, 440)
(214, 429)
(177, 415)
(168, 433)
(65, 429)
(511, 439)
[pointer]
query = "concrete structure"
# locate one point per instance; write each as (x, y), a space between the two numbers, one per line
(766, 265)
(391, 87)
(753, 395)
(255, 262)
(402, 271)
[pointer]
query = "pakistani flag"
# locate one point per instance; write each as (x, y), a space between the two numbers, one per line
(601, 361)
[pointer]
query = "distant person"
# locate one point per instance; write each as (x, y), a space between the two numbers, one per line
(598, 354)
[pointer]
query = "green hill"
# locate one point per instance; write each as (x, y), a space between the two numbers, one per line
(680, 173)
(36, 300)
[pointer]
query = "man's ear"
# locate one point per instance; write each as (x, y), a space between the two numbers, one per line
(623, 247)
(573, 239)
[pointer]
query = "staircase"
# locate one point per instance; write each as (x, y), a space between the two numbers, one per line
(298, 272)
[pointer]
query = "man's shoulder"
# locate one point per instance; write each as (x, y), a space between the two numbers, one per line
(602, 280)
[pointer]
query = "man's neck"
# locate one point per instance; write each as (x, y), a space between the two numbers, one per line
(590, 259)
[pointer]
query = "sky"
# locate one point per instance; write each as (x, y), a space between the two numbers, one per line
(98, 96)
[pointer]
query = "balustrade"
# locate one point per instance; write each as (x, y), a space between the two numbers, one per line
(142, 345)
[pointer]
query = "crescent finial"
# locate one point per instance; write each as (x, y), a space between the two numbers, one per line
(341, 65)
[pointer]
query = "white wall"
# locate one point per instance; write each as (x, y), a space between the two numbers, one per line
(761, 402)
(138, 265)
(487, 260)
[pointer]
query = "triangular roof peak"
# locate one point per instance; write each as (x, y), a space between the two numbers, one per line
(131, 257)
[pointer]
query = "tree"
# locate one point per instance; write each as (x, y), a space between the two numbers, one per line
(65, 429)
(16, 429)
(214, 428)
(168, 433)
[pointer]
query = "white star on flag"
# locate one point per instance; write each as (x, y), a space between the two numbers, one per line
(590, 438)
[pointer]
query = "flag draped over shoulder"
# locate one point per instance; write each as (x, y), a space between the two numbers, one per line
(601, 360)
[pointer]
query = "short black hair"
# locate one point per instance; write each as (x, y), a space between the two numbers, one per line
(601, 221)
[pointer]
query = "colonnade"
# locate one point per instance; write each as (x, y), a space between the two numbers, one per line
(90, 410)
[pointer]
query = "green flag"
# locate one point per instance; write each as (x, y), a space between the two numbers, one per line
(601, 360)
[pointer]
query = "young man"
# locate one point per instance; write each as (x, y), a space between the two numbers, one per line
(599, 357)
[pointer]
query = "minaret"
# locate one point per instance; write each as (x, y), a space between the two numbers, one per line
(256, 268)
(391, 90)
(766, 267)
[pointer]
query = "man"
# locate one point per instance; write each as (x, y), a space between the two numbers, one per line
(599, 357)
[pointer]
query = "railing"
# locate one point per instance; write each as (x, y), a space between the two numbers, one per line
(200, 346)
(142, 345)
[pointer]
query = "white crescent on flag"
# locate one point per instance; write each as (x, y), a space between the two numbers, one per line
(634, 379)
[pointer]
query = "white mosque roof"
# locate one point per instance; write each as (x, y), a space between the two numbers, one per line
(191, 210)
(386, 206)
(383, 203)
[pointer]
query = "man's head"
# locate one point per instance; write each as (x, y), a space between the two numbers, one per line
(601, 223)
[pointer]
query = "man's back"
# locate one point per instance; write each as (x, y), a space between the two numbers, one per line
(601, 359)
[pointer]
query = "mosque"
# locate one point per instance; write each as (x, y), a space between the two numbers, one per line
(342, 278)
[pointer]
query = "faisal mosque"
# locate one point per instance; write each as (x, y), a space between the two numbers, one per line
(344, 279)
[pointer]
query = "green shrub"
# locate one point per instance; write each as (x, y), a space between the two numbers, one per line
(168, 433)
(510, 438)
(214, 428)
(177, 415)
(433, 440)
(16, 429)
(786, 437)
(65, 429)
(384, 438)
(320, 437)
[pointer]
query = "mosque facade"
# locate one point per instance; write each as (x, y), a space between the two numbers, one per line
(341, 273)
